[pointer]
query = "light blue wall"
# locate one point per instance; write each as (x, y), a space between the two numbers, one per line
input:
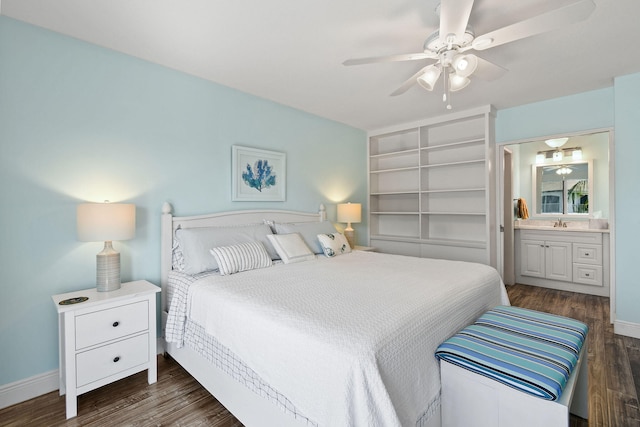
(627, 176)
(78, 123)
(617, 108)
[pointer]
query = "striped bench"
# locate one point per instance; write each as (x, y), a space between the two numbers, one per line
(514, 367)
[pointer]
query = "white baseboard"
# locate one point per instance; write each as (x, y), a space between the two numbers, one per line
(35, 386)
(26, 389)
(626, 328)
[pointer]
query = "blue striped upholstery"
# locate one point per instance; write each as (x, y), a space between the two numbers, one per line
(528, 350)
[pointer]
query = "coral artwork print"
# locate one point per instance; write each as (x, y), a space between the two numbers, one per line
(261, 176)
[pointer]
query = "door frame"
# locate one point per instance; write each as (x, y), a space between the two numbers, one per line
(500, 146)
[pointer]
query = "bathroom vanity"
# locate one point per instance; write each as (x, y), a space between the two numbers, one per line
(571, 258)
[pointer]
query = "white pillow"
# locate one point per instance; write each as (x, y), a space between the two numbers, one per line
(241, 257)
(334, 244)
(195, 243)
(291, 247)
(308, 230)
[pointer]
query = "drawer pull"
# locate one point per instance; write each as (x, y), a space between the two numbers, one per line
(116, 359)
(586, 254)
(115, 324)
(586, 274)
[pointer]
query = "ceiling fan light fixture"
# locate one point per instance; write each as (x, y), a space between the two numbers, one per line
(430, 77)
(465, 65)
(564, 171)
(458, 82)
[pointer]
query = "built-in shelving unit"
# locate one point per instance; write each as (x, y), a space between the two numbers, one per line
(432, 186)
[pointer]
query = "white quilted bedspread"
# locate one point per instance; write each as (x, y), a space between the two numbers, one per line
(349, 340)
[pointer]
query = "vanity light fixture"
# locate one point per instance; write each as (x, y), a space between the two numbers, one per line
(558, 154)
(577, 154)
(564, 170)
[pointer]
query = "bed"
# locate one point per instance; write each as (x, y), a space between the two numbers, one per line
(346, 339)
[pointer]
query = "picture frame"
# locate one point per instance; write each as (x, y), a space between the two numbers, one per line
(258, 175)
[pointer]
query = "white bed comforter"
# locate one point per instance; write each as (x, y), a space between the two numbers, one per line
(349, 340)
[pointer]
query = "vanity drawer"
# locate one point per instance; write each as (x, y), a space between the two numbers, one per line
(102, 362)
(587, 254)
(111, 323)
(587, 274)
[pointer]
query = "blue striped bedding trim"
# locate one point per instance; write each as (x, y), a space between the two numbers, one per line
(528, 350)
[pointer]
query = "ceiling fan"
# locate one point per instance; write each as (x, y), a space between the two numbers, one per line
(451, 45)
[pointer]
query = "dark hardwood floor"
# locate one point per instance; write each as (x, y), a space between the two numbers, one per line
(178, 400)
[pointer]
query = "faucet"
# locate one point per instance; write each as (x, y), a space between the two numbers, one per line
(560, 223)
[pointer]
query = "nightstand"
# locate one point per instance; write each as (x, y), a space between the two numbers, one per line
(109, 336)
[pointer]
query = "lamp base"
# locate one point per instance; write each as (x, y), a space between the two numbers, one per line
(108, 269)
(350, 235)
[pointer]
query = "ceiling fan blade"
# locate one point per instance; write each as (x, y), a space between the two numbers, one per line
(409, 82)
(454, 17)
(390, 58)
(488, 71)
(548, 21)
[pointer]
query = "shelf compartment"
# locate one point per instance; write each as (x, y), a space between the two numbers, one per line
(393, 142)
(400, 202)
(467, 129)
(396, 225)
(404, 159)
(458, 202)
(453, 153)
(451, 177)
(397, 181)
(462, 228)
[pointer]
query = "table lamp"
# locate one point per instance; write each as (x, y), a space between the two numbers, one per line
(106, 222)
(350, 212)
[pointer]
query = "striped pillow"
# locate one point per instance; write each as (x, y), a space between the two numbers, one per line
(241, 257)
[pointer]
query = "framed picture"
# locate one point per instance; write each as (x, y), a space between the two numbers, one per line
(258, 175)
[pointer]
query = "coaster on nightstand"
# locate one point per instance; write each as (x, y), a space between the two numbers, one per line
(73, 300)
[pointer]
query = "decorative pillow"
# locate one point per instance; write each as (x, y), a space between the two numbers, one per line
(196, 243)
(309, 232)
(334, 244)
(177, 257)
(291, 247)
(241, 257)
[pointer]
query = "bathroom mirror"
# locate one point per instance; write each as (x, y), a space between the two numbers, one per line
(563, 189)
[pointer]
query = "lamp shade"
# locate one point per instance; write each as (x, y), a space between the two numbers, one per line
(101, 222)
(349, 212)
(429, 78)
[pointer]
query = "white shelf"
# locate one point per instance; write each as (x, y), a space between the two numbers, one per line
(453, 190)
(395, 213)
(453, 144)
(395, 169)
(442, 201)
(465, 162)
(455, 213)
(394, 154)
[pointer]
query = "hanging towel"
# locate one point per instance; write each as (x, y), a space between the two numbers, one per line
(523, 211)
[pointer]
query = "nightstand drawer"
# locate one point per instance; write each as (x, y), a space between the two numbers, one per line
(108, 360)
(112, 323)
(587, 274)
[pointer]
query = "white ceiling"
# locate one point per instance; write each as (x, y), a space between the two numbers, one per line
(291, 51)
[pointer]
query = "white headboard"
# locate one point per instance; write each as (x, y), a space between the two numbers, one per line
(171, 223)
